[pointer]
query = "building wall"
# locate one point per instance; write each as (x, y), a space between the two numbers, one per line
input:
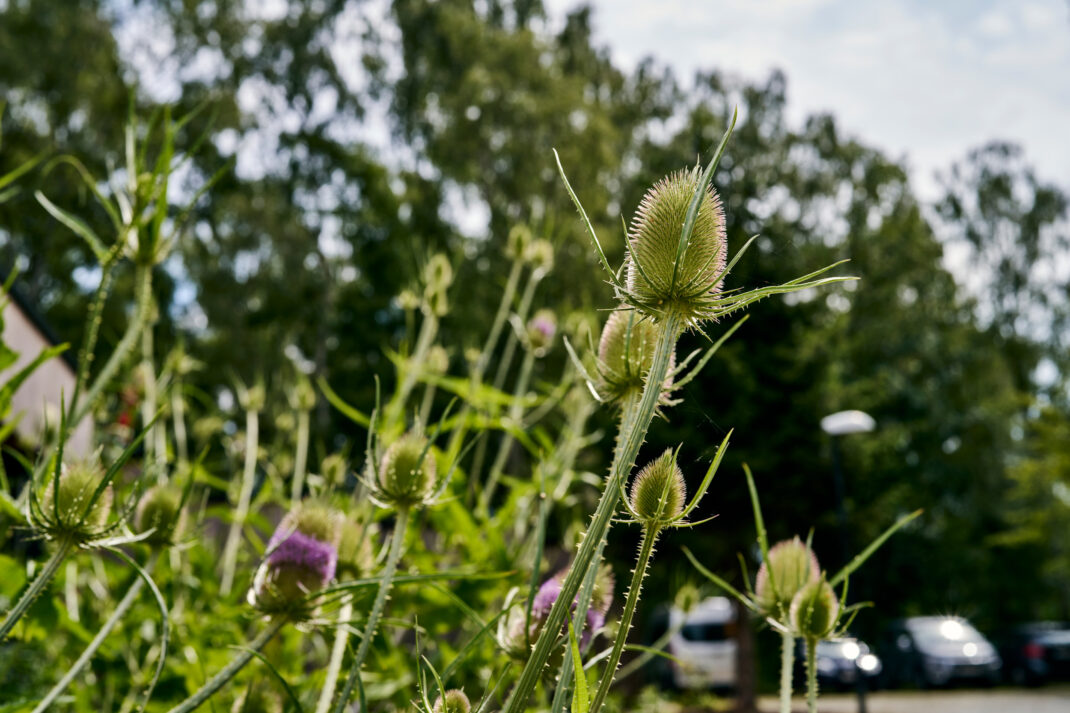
(41, 392)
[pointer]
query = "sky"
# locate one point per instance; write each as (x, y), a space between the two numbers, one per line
(924, 81)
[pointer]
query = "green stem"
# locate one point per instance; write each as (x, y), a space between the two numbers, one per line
(301, 457)
(427, 403)
(124, 604)
(668, 330)
(414, 366)
(178, 418)
(516, 413)
(811, 675)
(338, 651)
(37, 586)
(787, 665)
(397, 544)
(245, 496)
(237, 663)
(522, 314)
(646, 549)
(499, 318)
(148, 404)
(96, 311)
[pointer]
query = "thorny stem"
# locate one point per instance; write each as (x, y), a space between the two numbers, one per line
(397, 544)
(646, 549)
(231, 669)
(96, 310)
(811, 674)
(230, 550)
(668, 329)
(787, 664)
(120, 610)
(148, 404)
(37, 586)
(338, 651)
(516, 412)
(301, 456)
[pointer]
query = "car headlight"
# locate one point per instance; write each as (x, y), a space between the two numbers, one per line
(869, 663)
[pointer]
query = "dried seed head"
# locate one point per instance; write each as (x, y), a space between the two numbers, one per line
(540, 254)
(660, 282)
(541, 330)
(815, 610)
(658, 491)
(66, 511)
(793, 566)
(160, 510)
(516, 244)
(302, 559)
(407, 474)
(438, 272)
(452, 702)
(625, 355)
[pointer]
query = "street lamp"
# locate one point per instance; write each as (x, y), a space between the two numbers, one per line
(844, 423)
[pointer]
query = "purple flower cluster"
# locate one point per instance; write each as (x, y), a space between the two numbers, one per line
(302, 558)
(301, 550)
(596, 612)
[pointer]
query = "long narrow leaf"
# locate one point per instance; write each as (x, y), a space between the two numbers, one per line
(862, 556)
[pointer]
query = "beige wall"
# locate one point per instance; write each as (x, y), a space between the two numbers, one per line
(43, 387)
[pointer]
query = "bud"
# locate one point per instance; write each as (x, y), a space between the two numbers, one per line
(64, 509)
(540, 254)
(408, 300)
(356, 549)
(541, 330)
(436, 300)
(407, 474)
(438, 360)
(794, 566)
(625, 355)
(438, 272)
(658, 492)
(815, 610)
(517, 243)
(257, 699)
(452, 702)
(302, 558)
(160, 510)
(333, 469)
(304, 394)
(663, 285)
(285, 422)
(252, 398)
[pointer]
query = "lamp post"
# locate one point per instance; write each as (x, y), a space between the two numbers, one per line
(843, 423)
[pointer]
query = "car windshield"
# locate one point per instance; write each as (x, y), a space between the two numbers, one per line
(707, 631)
(936, 632)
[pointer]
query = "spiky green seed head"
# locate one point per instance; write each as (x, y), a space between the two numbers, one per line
(258, 699)
(658, 492)
(516, 244)
(408, 300)
(540, 255)
(436, 300)
(541, 330)
(793, 566)
(302, 557)
(815, 610)
(160, 510)
(407, 474)
(356, 549)
(252, 398)
(687, 597)
(438, 272)
(658, 284)
(66, 510)
(333, 468)
(452, 702)
(625, 355)
(438, 360)
(304, 395)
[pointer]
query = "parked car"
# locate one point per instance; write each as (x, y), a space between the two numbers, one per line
(929, 651)
(840, 662)
(1036, 653)
(703, 645)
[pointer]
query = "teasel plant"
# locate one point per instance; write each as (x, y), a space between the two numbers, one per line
(673, 273)
(794, 597)
(251, 399)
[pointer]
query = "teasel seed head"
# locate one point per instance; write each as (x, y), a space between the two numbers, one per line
(541, 330)
(540, 255)
(516, 244)
(438, 360)
(160, 510)
(408, 300)
(436, 301)
(333, 469)
(658, 492)
(625, 355)
(815, 610)
(660, 283)
(438, 272)
(302, 558)
(793, 566)
(453, 701)
(304, 394)
(407, 473)
(63, 509)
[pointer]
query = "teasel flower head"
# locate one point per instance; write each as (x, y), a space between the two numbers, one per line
(438, 272)
(356, 549)
(161, 511)
(662, 278)
(408, 300)
(453, 701)
(658, 493)
(302, 556)
(541, 329)
(304, 394)
(333, 470)
(258, 698)
(625, 355)
(790, 567)
(601, 601)
(71, 507)
(516, 244)
(815, 611)
(407, 475)
(540, 255)
(438, 360)
(436, 301)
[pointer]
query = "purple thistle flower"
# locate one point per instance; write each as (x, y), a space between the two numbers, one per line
(301, 550)
(596, 613)
(302, 558)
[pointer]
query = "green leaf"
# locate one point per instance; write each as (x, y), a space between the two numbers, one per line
(581, 700)
(76, 224)
(862, 556)
(346, 410)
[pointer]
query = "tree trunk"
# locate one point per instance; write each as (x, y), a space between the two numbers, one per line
(746, 664)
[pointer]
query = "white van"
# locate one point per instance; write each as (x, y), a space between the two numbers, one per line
(703, 644)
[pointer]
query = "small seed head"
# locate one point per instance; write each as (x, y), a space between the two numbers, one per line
(540, 254)
(160, 510)
(815, 610)
(408, 300)
(407, 473)
(516, 244)
(438, 272)
(658, 491)
(64, 510)
(438, 360)
(625, 355)
(541, 330)
(436, 300)
(452, 702)
(333, 469)
(304, 395)
(793, 566)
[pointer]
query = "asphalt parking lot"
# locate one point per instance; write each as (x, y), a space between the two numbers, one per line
(1050, 699)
